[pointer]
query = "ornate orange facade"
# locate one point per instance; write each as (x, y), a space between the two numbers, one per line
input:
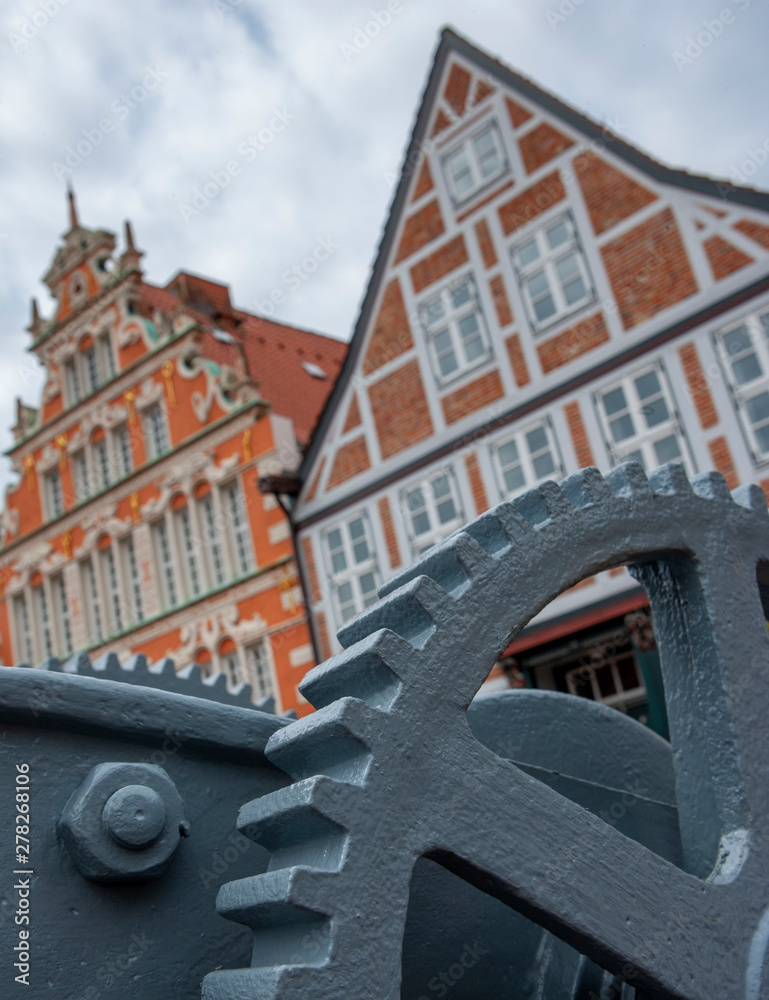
(135, 525)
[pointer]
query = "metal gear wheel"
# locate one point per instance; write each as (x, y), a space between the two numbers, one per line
(376, 768)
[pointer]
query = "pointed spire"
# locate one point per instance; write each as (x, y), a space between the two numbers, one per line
(73, 219)
(35, 324)
(130, 257)
(129, 237)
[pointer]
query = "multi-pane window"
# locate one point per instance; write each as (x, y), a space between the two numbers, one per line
(121, 438)
(259, 672)
(80, 476)
(552, 272)
(23, 630)
(478, 161)
(102, 463)
(72, 381)
(432, 510)
(527, 458)
(43, 619)
(106, 357)
(112, 584)
(61, 611)
(155, 432)
(133, 576)
(230, 664)
(612, 680)
(214, 543)
(168, 583)
(744, 352)
(54, 494)
(456, 330)
(92, 602)
(640, 421)
(352, 566)
(240, 534)
(188, 545)
(91, 369)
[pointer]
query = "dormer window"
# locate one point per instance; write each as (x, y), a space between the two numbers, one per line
(474, 164)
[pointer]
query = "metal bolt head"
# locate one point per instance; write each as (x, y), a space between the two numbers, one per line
(124, 823)
(135, 816)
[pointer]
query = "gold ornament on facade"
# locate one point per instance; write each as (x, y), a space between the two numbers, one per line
(130, 398)
(287, 586)
(167, 371)
(135, 508)
(66, 544)
(247, 444)
(61, 444)
(29, 471)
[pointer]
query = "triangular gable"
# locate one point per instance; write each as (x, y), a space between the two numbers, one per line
(461, 80)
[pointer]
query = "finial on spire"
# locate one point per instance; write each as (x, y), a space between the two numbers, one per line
(130, 258)
(129, 237)
(34, 326)
(73, 220)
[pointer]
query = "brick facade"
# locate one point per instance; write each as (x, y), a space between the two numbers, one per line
(578, 339)
(457, 89)
(400, 410)
(476, 483)
(353, 416)
(501, 301)
(350, 460)
(391, 335)
(721, 454)
(757, 232)
(579, 436)
(311, 569)
(440, 263)
(533, 202)
(542, 144)
(724, 257)
(518, 115)
(517, 361)
(388, 529)
(485, 243)
(420, 229)
(610, 195)
(698, 385)
(471, 397)
(424, 181)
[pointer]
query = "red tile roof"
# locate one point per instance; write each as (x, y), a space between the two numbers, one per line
(274, 352)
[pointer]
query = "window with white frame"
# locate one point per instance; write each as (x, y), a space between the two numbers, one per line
(230, 666)
(640, 421)
(456, 330)
(478, 161)
(132, 575)
(744, 351)
(72, 381)
(54, 495)
(112, 590)
(155, 432)
(121, 442)
(432, 510)
(43, 620)
(352, 566)
(259, 670)
(552, 272)
(188, 547)
(107, 365)
(90, 362)
(93, 611)
(80, 476)
(612, 680)
(62, 614)
(24, 653)
(239, 530)
(165, 557)
(102, 463)
(213, 541)
(522, 460)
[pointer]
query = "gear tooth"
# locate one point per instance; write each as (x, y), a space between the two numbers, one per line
(586, 487)
(371, 670)
(334, 741)
(266, 704)
(80, 663)
(108, 665)
(163, 668)
(542, 504)
(50, 663)
(711, 486)
(628, 480)
(670, 479)
(411, 612)
(136, 664)
(282, 983)
(751, 496)
(452, 564)
(498, 529)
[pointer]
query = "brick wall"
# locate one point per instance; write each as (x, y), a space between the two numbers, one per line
(391, 335)
(353, 415)
(542, 144)
(457, 89)
(424, 181)
(648, 269)
(476, 483)
(420, 229)
(517, 114)
(517, 361)
(471, 397)
(386, 517)
(724, 258)
(316, 481)
(698, 385)
(533, 202)
(755, 231)
(323, 639)
(578, 339)
(450, 256)
(400, 411)
(609, 194)
(350, 460)
(723, 462)
(501, 301)
(312, 572)
(485, 243)
(578, 433)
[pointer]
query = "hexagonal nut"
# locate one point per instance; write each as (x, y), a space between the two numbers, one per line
(123, 823)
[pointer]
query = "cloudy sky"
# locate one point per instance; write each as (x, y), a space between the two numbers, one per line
(182, 84)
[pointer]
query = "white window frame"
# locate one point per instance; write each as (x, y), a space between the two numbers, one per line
(195, 584)
(645, 440)
(54, 494)
(24, 642)
(231, 665)
(80, 475)
(72, 381)
(743, 393)
(547, 262)
(62, 614)
(168, 574)
(353, 577)
(238, 529)
(448, 328)
(106, 354)
(89, 359)
(259, 669)
(423, 541)
(102, 463)
(109, 567)
(526, 458)
(468, 147)
(623, 698)
(93, 600)
(213, 540)
(43, 620)
(151, 426)
(132, 576)
(121, 446)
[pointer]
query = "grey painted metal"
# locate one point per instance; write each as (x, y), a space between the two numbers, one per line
(388, 771)
(148, 940)
(124, 823)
